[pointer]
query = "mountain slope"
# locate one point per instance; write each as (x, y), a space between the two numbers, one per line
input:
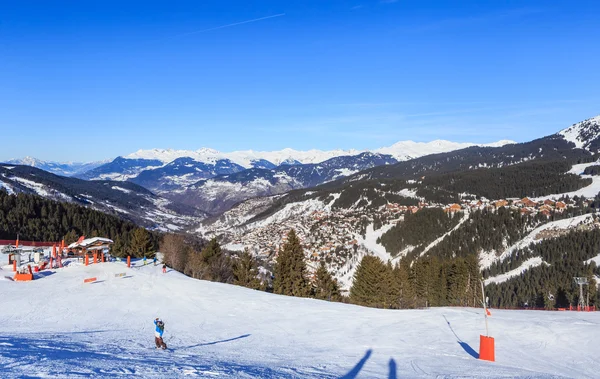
(58, 168)
(120, 169)
(220, 193)
(374, 211)
(128, 200)
(218, 330)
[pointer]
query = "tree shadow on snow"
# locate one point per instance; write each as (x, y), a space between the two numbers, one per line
(354, 372)
(216, 342)
(466, 347)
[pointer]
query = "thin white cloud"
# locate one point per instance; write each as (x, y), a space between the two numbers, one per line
(226, 26)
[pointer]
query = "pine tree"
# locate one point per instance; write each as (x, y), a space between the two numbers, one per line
(212, 252)
(246, 271)
(325, 287)
(217, 266)
(372, 281)
(290, 269)
(406, 292)
(140, 242)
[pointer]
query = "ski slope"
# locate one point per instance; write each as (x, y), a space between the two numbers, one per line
(56, 326)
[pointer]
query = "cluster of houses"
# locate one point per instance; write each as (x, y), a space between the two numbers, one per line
(334, 235)
(525, 205)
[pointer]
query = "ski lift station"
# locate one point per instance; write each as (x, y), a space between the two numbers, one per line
(20, 258)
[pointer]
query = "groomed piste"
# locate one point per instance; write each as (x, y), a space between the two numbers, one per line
(58, 326)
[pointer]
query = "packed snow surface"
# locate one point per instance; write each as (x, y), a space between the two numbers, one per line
(528, 264)
(59, 327)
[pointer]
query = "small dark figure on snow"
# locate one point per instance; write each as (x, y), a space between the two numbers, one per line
(154, 260)
(164, 268)
(158, 333)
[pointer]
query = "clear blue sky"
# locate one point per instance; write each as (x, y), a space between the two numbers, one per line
(88, 80)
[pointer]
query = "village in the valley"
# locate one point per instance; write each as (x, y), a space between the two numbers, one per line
(336, 235)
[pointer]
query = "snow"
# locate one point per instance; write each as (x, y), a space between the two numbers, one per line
(402, 150)
(105, 329)
(370, 241)
(121, 189)
(574, 133)
(486, 259)
(39, 188)
(7, 187)
(89, 241)
(406, 192)
(596, 259)
(589, 191)
(530, 263)
(464, 218)
(343, 172)
(291, 209)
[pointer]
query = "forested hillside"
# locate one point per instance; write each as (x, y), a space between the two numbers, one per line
(551, 284)
(37, 219)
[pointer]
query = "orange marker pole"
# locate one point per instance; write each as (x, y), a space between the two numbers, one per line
(128, 261)
(486, 343)
(87, 259)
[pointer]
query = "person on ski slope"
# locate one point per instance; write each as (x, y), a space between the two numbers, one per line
(144, 260)
(154, 260)
(158, 333)
(164, 268)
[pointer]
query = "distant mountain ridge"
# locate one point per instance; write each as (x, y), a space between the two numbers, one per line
(58, 168)
(402, 150)
(124, 199)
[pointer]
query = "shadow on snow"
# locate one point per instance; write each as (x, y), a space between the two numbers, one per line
(466, 347)
(56, 355)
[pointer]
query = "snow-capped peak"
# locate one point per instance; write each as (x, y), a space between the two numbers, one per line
(582, 133)
(27, 161)
(402, 150)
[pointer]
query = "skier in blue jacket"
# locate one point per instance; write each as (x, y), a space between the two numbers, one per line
(158, 333)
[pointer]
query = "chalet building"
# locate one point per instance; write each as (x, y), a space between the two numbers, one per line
(526, 202)
(453, 208)
(500, 203)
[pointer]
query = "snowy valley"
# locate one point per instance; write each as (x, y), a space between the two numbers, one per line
(213, 330)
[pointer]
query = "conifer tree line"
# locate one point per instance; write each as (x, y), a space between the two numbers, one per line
(537, 177)
(34, 218)
(550, 285)
(418, 230)
(208, 261)
(428, 282)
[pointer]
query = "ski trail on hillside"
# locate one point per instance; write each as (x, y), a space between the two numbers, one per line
(527, 265)
(464, 218)
(487, 259)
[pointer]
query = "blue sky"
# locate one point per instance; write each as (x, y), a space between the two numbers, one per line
(89, 80)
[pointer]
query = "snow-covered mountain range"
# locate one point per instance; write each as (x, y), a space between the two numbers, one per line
(58, 168)
(124, 199)
(400, 151)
